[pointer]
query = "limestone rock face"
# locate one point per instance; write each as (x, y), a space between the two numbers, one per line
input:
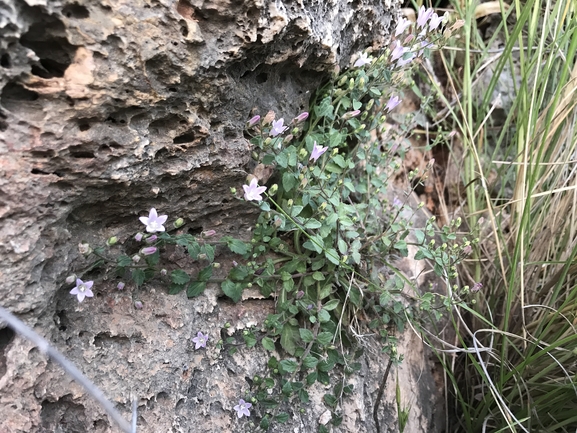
(109, 108)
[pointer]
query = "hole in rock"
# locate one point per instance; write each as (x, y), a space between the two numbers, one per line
(5, 61)
(38, 171)
(261, 78)
(16, 92)
(62, 321)
(47, 39)
(63, 412)
(75, 10)
(184, 138)
(84, 126)
(184, 31)
(6, 337)
(81, 152)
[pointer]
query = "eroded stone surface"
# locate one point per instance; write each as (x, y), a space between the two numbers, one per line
(108, 108)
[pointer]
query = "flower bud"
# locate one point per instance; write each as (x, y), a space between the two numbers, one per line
(253, 121)
(302, 154)
(138, 237)
(120, 285)
(148, 251)
(138, 305)
(273, 189)
(364, 116)
(290, 203)
(163, 272)
(342, 81)
(362, 82)
(151, 239)
(351, 114)
(254, 156)
(84, 248)
(233, 190)
(344, 258)
(208, 233)
(178, 223)
(216, 265)
(268, 141)
(300, 294)
(288, 138)
(476, 287)
(277, 222)
(370, 104)
(467, 250)
(202, 256)
(301, 117)
(268, 118)
(70, 279)
(136, 258)
(112, 241)
(351, 84)
(335, 151)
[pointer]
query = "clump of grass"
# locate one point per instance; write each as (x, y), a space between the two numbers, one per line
(517, 370)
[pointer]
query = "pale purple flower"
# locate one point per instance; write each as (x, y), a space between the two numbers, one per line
(252, 191)
(317, 151)
(393, 102)
(424, 15)
(277, 127)
(154, 222)
(82, 289)
(138, 237)
(403, 61)
(71, 278)
(362, 60)
(200, 340)
(163, 272)
(301, 117)
(138, 305)
(151, 239)
(120, 285)
(435, 21)
(425, 45)
(476, 287)
(397, 202)
(136, 258)
(254, 120)
(148, 251)
(242, 408)
(402, 25)
(398, 51)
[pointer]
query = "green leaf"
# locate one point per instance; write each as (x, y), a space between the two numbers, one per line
(330, 400)
(296, 210)
(357, 105)
(317, 264)
(249, 340)
(195, 289)
(310, 361)
(324, 338)
(331, 167)
(312, 224)
(205, 273)
(420, 236)
(209, 251)
(289, 365)
(340, 161)
(238, 246)
(325, 108)
(312, 378)
(174, 289)
(193, 250)
(268, 159)
(282, 417)
(288, 181)
(331, 305)
(324, 316)
(268, 344)
(374, 91)
(138, 277)
(288, 338)
(332, 256)
(304, 395)
(232, 290)
(318, 276)
(306, 335)
(282, 159)
(178, 276)
(124, 261)
(315, 243)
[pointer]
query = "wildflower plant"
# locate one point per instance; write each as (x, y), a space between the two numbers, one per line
(325, 235)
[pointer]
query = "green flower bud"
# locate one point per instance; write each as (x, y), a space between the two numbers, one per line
(273, 189)
(335, 151)
(351, 84)
(267, 141)
(303, 154)
(254, 156)
(178, 223)
(290, 203)
(362, 82)
(342, 81)
(364, 116)
(233, 190)
(370, 104)
(216, 265)
(112, 241)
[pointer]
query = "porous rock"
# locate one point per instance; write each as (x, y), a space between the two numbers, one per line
(109, 108)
